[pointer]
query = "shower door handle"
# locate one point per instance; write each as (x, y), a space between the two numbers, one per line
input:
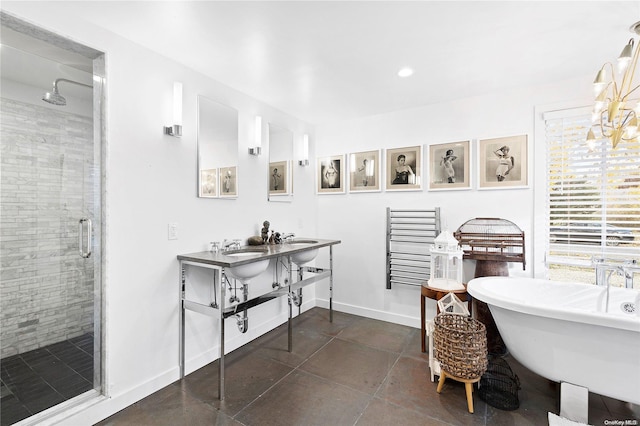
(84, 252)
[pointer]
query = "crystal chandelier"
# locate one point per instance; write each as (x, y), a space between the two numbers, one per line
(616, 110)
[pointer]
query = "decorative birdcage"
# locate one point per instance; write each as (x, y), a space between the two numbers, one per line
(491, 239)
(446, 263)
(499, 385)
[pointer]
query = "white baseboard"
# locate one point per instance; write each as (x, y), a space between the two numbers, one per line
(371, 313)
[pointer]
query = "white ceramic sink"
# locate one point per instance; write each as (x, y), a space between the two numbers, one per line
(246, 271)
(302, 257)
(301, 241)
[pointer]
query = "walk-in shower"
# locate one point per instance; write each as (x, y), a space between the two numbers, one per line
(54, 97)
(50, 197)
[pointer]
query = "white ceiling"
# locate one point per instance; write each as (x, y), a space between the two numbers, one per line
(333, 60)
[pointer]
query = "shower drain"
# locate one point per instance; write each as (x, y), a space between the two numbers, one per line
(628, 307)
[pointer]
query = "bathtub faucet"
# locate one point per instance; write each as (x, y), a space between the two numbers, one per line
(629, 269)
(604, 279)
(602, 267)
(605, 268)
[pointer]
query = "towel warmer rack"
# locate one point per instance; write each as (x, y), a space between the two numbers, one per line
(410, 234)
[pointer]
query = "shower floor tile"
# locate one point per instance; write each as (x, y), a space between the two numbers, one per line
(36, 380)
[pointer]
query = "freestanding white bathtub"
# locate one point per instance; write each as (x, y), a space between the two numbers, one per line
(561, 331)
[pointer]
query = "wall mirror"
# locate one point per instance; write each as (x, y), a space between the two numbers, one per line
(217, 150)
(280, 163)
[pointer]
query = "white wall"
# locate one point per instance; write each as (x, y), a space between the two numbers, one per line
(150, 182)
(359, 219)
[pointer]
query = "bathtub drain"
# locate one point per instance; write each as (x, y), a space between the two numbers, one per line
(628, 307)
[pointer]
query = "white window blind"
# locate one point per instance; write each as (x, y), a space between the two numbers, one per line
(593, 196)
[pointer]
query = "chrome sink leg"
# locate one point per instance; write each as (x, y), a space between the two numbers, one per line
(290, 326)
(182, 319)
(331, 284)
(290, 321)
(223, 289)
(300, 278)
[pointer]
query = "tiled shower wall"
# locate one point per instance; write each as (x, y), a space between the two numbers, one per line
(46, 288)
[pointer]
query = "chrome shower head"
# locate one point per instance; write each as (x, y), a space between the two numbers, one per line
(55, 98)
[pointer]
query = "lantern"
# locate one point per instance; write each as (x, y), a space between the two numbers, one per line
(446, 263)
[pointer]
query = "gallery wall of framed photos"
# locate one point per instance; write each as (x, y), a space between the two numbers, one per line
(500, 163)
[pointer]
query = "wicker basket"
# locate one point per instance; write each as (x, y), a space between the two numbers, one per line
(460, 343)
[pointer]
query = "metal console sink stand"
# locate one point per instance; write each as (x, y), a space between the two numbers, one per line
(218, 262)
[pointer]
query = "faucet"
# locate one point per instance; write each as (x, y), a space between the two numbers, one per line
(287, 237)
(599, 264)
(625, 269)
(230, 245)
(629, 268)
(604, 279)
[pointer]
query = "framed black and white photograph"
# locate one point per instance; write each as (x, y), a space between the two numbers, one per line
(279, 178)
(330, 175)
(208, 183)
(228, 182)
(364, 171)
(502, 162)
(449, 166)
(404, 169)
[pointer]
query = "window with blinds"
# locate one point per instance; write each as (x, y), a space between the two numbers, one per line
(593, 194)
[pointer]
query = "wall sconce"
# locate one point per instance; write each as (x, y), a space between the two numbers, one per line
(176, 128)
(305, 151)
(257, 149)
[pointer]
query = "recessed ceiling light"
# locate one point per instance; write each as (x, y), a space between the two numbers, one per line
(405, 72)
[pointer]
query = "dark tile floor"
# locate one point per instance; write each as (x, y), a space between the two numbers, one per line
(36, 380)
(352, 371)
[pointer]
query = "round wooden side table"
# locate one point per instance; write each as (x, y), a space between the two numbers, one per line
(437, 294)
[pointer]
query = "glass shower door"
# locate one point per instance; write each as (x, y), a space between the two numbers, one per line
(50, 240)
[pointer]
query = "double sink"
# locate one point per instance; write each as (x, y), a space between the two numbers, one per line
(300, 250)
